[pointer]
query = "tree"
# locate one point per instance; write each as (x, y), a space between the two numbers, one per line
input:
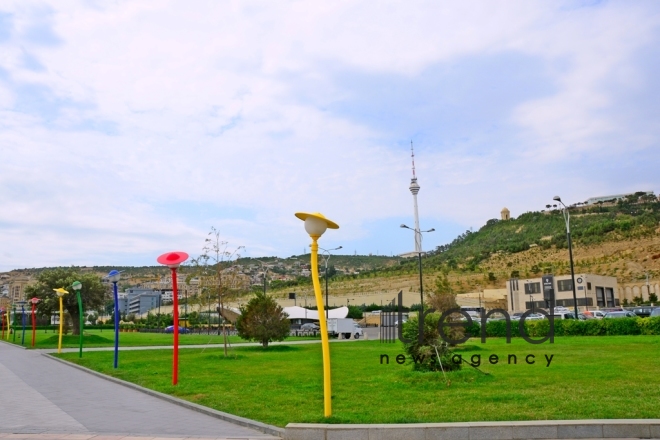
(263, 320)
(92, 293)
(442, 299)
(218, 276)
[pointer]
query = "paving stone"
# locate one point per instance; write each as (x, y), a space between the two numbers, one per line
(491, 432)
(447, 433)
(534, 431)
(578, 431)
(626, 430)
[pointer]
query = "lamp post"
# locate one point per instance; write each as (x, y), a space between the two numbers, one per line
(418, 239)
(77, 285)
(2, 322)
(326, 257)
(315, 225)
(173, 260)
(265, 273)
(13, 327)
(114, 276)
(567, 219)
(34, 301)
(60, 293)
(22, 304)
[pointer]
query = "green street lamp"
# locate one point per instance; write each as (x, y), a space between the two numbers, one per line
(77, 285)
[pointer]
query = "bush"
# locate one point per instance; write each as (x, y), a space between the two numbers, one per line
(571, 327)
(426, 351)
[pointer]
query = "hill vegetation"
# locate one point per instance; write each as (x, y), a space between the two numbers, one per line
(618, 238)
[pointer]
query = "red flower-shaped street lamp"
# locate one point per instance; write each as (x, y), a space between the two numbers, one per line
(173, 260)
(2, 322)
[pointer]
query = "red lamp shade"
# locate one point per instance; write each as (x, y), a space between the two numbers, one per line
(35, 300)
(172, 259)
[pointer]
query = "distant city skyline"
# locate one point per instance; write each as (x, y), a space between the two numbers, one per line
(130, 129)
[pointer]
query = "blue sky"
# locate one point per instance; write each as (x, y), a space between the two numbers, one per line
(129, 129)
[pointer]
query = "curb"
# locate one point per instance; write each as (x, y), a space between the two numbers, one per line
(535, 429)
(11, 344)
(237, 420)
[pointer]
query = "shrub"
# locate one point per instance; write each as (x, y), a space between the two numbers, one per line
(426, 351)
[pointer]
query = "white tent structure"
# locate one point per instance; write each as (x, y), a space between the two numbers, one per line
(296, 312)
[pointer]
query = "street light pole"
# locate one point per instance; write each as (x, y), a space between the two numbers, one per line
(77, 285)
(326, 257)
(567, 219)
(315, 225)
(418, 239)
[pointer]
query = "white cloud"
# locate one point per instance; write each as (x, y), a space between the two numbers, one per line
(149, 104)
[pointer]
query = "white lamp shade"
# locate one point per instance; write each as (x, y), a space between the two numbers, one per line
(315, 226)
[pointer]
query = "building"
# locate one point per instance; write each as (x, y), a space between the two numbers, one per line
(613, 198)
(144, 302)
(126, 298)
(505, 213)
(17, 288)
(592, 291)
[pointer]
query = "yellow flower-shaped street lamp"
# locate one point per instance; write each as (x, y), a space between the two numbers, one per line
(60, 293)
(315, 225)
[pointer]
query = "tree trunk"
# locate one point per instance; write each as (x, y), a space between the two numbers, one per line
(75, 321)
(264, 343)
(224, 328)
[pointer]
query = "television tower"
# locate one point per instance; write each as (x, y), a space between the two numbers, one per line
(414, 189)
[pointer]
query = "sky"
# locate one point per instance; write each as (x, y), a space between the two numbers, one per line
(130, 128)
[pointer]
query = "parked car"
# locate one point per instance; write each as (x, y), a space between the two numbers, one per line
(563, 316)
(655, 312)
(310, 327)
(623, 314)
(596, 314)
(170, 329)
(642, 312)
(535, 317)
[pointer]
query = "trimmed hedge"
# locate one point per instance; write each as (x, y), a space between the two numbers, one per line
(572, 327)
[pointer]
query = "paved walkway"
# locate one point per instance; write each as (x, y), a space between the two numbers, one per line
(40, 396)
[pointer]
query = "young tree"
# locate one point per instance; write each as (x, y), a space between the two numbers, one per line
(92, 292)
(442, 299)
(219, 278)
(263, 320)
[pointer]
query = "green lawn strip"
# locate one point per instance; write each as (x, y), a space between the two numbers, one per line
(106, 338)
(589, 377)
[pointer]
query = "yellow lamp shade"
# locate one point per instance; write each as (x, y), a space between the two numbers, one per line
(316, 223)
(60, 292)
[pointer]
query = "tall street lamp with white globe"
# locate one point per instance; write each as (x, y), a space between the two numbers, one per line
(315, 225)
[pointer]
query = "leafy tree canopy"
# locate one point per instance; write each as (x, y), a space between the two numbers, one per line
(92, 292)
(263, 320)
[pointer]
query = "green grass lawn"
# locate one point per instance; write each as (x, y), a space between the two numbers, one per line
(106, 338)
(589, 377)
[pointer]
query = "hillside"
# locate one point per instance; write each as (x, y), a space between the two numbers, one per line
(620, 239)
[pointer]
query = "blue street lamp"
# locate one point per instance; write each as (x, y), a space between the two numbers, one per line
(114, 277)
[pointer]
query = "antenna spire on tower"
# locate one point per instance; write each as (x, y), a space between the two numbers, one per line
(412, 154)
